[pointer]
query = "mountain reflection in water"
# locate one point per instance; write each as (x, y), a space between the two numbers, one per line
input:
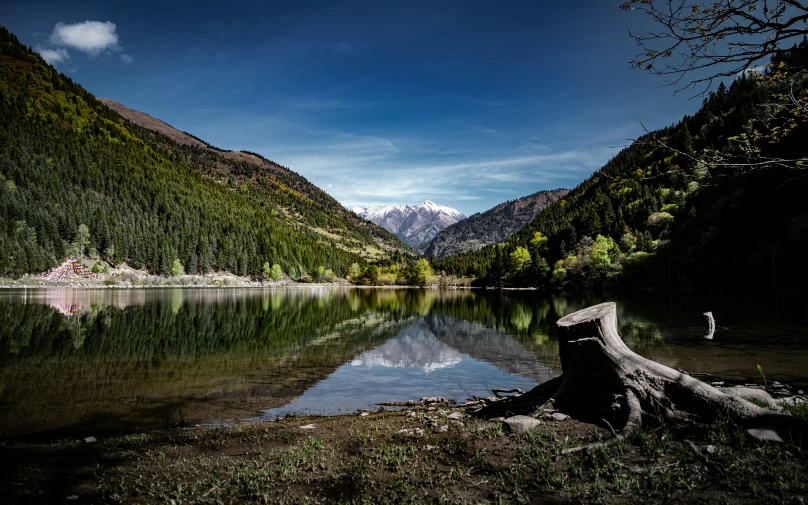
(414, 347)
(89, 360)
(419, 362)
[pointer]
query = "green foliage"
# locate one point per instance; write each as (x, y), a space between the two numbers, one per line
(520, 258)
(82, 236)
(276, 273)
(539, 242)
(760, 371)
(420, 273)
(354, 271)
(602, 251)
(177, 268)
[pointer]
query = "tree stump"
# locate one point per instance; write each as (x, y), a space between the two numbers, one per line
(605, 382)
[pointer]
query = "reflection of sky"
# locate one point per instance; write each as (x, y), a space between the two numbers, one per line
(409, 366)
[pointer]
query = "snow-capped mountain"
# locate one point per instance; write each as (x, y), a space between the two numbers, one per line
(412, 224)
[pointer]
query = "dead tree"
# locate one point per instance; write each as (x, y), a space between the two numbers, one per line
(605, 382)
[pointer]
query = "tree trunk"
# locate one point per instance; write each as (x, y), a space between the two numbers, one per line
(605, 381)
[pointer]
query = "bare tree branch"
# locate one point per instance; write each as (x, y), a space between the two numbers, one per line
(700, 42)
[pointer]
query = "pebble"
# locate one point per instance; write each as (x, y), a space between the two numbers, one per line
(497, 419)
(308, 427)
(710, 449)
(89, 440)
(558, 416)
(433, 399)
(409, 433)
(455, 415)
(363, 414)
(765, 435)
(73, 497)
(521, 424)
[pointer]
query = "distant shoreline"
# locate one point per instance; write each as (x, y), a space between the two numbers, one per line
(6, 283)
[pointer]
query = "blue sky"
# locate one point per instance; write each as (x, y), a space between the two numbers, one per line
(467, 104)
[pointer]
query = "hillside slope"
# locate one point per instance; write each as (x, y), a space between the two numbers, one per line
(656, 217)
(299, 199)
(492, 226)
(66, 159)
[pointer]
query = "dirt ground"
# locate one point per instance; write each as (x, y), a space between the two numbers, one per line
(416, 455)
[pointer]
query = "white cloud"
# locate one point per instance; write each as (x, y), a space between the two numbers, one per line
(126, 59)
(91, 37)
(53, 55)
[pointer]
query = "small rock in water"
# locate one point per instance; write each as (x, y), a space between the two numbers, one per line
(308, 427)
(363, 414)
(718, 383)
(89, 440)
(521, 424)
(800, 392)
(433, 399)
(558, 416)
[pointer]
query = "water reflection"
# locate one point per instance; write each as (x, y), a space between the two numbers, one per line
(414, 347)
(75, 359)
(414, 363)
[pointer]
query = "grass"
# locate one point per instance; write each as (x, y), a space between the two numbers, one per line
(351, 459)
(796, 408)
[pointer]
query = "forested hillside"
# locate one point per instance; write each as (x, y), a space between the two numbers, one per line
(492, 226)
(67, 160)
(299, 199)
(677, 209)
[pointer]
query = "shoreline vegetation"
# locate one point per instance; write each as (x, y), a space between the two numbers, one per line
(428, 451)
(104, 275)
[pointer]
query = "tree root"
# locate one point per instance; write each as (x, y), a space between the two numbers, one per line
(604, 382)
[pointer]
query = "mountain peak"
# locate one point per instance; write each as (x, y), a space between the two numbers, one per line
(412, 224)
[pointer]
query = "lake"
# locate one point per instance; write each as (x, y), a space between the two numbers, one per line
(84, 361)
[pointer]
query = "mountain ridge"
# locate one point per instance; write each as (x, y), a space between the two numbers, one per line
(492, 226)
(271, 175)
(413, 224)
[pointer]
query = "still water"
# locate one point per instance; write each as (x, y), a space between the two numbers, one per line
(85, 361)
